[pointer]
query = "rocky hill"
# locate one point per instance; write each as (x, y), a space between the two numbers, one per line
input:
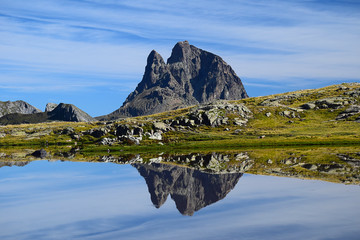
(17, 107)
(62, 112)
(191, 76)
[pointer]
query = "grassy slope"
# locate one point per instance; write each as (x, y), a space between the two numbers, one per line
(314, 127)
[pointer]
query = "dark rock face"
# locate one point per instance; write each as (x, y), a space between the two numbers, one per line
(69, 112)
(189, 188)
(17, 107)
(191, 76)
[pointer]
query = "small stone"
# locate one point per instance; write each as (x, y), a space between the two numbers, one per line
(268, 114)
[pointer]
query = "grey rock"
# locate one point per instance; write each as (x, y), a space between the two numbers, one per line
(268, 114)
(308, 106)
(332, 103)
(40, 153)
(155, 136)
(69, 112)
(350, 111)
(288, 114)
(17, 107)
(161, 126)
(191, 76)
(50, 106)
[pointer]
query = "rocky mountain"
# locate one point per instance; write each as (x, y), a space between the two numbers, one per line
(69, 112)
(191, 76)
(63, 112)
(190, 189)
(17, 107)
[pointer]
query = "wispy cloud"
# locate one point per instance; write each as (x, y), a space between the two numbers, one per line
(277, 41)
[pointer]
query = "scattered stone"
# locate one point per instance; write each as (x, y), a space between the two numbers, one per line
(351, 111)
(262, 136)
(268, 114)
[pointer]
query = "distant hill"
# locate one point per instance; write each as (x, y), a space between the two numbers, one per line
(17, 107)
(191, 76)
(63, 112)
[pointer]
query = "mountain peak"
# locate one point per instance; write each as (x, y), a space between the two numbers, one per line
(180, 52)
(191, 76)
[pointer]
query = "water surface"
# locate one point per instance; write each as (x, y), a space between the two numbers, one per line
(73, 200)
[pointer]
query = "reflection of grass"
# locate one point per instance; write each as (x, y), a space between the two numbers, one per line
(266, 161)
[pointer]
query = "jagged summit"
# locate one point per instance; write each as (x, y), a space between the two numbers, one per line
(191, 76)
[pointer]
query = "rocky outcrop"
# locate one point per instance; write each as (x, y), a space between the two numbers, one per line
(63, 112)
(50, 106)
(69, 112)
(17, 107)
(190, 189)
(191, 76)
(349, 112)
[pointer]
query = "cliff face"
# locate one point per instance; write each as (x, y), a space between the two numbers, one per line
(191, 76)
(190, 189)
(69, 112)
(17, 107)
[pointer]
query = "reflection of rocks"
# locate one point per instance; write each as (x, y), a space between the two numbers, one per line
(212, 163)
(13, 163)
(353, 161)
(189, 188)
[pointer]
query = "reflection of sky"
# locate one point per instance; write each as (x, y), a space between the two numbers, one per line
(105, 201)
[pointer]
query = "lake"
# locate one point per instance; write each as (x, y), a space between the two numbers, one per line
(91, 200)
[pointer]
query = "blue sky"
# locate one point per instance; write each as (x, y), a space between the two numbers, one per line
(92, 53)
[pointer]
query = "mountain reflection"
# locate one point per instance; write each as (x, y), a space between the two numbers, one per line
(190, 189)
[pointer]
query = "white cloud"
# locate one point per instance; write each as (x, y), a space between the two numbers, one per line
(272, 41)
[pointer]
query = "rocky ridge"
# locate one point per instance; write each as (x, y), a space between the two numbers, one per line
(62, 112)
(20, 107)
(191, 76)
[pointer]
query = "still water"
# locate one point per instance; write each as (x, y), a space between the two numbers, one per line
(74, 200)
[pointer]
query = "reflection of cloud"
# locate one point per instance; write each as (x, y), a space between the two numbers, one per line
(107, 201)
